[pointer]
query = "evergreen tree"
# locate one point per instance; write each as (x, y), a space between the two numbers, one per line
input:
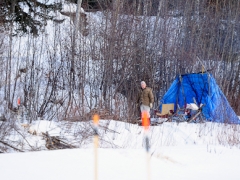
(27, 16)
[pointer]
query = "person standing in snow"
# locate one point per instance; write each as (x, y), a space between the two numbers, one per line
(145, 98)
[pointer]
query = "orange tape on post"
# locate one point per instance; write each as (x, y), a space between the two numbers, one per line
(95, 141)
(18, 101)
(145, 120)
(95, 119)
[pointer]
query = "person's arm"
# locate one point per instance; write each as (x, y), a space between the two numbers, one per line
(151, 97)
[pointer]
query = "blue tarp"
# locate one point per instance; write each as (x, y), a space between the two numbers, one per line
(203, 88)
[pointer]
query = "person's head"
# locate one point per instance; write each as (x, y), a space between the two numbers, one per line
(143, 84)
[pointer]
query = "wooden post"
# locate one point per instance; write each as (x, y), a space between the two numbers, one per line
(146, 123)
(95, 141)
(19, 110)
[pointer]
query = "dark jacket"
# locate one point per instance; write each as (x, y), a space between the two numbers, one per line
(145, 96)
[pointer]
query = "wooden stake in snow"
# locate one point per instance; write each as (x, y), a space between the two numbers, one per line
(18, 108)
(95, 141)
(146, 123)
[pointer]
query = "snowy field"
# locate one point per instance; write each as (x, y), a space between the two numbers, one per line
(168, 163)
(178, 151)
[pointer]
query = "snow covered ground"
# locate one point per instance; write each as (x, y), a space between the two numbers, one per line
(169, 163)
(178, 151)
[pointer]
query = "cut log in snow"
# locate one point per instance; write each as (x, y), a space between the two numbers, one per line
(53, 142)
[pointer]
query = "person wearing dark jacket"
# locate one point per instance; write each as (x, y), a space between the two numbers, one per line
(145, 98)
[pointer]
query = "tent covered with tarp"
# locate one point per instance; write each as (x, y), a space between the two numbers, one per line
(200, 88)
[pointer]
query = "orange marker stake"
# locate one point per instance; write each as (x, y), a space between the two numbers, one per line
(18, 105)
(146, 124)
(18, 101)
(95, 141)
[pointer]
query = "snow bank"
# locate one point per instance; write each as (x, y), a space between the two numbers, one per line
(122, 135)
(42, 126)
(125, 135)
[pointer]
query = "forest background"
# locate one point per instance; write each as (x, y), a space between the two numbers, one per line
(62, 69)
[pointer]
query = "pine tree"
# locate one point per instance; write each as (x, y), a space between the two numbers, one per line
(27, 16)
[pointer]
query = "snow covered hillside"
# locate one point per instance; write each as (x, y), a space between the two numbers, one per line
(66, 73)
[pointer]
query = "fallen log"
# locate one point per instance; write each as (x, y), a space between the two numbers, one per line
(53, 142)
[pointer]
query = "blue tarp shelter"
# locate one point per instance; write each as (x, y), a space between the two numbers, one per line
(203, 88)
